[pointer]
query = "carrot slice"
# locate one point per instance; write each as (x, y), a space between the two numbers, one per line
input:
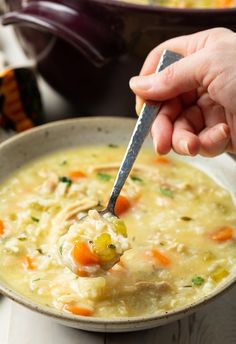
(224, 3)
(222, 234)
(122, 205)
(161, 258)
(1, 227)
(82, 255)
(28, 263)
(78, 310)
(160, 159)
(82, 273)
(74, 175)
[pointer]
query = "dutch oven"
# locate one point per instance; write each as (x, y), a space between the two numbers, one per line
(88, 49)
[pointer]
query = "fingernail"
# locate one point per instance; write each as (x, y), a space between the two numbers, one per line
(154, 140)
(183, 145)
(140, 83)
(139, 105)
(220, 134)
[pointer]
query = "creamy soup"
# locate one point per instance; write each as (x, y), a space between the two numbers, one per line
(181, 229)
(188, 3)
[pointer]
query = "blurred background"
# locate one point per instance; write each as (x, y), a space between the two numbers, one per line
(85, 51)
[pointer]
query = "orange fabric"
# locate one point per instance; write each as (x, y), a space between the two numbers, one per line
(20, 101)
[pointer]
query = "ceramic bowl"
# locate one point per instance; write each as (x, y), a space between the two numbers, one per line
(34, 143)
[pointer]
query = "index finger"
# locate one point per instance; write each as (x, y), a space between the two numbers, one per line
(184, 45)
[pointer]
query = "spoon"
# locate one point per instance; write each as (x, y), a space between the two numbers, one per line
(87, 257)
(140, 132)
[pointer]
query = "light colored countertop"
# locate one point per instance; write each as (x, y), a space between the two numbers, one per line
(214, 324)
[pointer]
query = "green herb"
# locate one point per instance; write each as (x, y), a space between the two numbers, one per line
(186, 218)
(39, 250)
(65, 180)
(104, 176)
(198, 280)
(61, 249)
(22, 238)
(166, 192)
(136, 179)
(35, 219)
(111, 145)
(36, 279)
(111, 246)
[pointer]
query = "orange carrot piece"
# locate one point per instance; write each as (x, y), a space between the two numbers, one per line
(122, 205)
(28, 263)
(74, 175)
(82, 255)
(224, 3)
(82, 273)
(1, 227)
(160, 159)
(160, 257)
(222, 234)
(78, 310)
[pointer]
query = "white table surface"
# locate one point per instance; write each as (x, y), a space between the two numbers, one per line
(213, 324)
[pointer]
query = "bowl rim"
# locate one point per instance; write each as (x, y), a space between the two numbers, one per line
(67, 317)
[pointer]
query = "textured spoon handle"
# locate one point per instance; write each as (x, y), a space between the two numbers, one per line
(141, 130)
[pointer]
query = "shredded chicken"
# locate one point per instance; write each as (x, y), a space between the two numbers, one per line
(50, 183)
(59, 222)
(147, 170)
(159, 287)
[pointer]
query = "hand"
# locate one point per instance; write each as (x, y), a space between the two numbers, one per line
(198, 92)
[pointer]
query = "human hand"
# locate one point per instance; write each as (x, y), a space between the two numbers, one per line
(198, 92)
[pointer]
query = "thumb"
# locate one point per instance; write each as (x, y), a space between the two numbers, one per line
(183, 76)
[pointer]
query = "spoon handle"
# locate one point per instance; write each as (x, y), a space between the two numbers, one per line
(140, 132)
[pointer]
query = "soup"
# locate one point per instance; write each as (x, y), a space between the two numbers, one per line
(188, 3)
(181, 229)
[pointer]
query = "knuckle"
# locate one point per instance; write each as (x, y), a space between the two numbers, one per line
(220, 31)
(213, 90)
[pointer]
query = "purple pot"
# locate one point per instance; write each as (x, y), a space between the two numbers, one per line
(89, 49)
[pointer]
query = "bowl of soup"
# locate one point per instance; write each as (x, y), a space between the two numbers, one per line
(79, 45)
(177, 214)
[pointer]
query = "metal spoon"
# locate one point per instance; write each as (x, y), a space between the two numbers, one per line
(140, 132)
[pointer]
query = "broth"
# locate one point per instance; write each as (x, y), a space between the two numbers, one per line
(181, 229)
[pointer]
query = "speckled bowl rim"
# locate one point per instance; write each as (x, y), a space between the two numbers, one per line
(105, 322)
